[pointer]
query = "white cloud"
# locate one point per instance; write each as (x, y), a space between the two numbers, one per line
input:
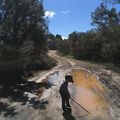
(65, 11)
(63, 37)
(50, 14)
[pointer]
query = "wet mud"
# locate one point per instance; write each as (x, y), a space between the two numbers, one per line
(88, 92)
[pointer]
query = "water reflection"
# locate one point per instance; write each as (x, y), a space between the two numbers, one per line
(53, 78)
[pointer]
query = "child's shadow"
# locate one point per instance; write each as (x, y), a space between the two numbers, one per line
(67, 115)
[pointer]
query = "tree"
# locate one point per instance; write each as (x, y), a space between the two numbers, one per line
(100, 16)
(113, 1)
(23, 31)
(108, 24)
(62, 45)
(51, 41)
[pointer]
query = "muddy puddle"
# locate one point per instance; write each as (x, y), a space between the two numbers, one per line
(89, 93)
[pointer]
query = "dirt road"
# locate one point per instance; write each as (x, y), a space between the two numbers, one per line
(96, 89)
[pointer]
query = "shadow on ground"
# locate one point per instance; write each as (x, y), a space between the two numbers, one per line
(7, 110)
(68, 115)
(15, 89)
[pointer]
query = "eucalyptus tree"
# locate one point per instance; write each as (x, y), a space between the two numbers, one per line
(108, 23)
(23, 31)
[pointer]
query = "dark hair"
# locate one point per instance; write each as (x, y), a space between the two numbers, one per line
(69, 78)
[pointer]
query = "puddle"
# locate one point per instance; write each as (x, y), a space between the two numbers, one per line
(53, 79)
(89, 93)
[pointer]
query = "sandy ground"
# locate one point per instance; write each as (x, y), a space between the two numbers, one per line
(48, 106)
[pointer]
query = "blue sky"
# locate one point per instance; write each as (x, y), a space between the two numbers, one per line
(66, 16)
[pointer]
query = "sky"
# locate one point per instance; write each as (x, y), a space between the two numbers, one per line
(67, 16)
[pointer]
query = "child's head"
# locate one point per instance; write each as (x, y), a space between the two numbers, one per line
(69, 78)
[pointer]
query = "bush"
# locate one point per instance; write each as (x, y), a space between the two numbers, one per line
(45, 64)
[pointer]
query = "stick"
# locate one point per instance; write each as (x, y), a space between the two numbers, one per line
(80, 105)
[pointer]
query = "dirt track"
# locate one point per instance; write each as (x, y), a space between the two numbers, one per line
(48, 106)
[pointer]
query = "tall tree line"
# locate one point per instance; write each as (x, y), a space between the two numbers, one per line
(23, 35)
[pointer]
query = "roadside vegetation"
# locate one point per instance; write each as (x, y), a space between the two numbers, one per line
(23, 37)
(101, 44)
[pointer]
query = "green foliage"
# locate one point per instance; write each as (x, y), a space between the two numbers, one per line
(101, 44)
(52, 42)
(64, 47)
(114, 1)
(110, 34)
(84, 45)
(44, 63)
(57, 43)
(23, 31)
(100, 16)
(111, 45)
(103, 17)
